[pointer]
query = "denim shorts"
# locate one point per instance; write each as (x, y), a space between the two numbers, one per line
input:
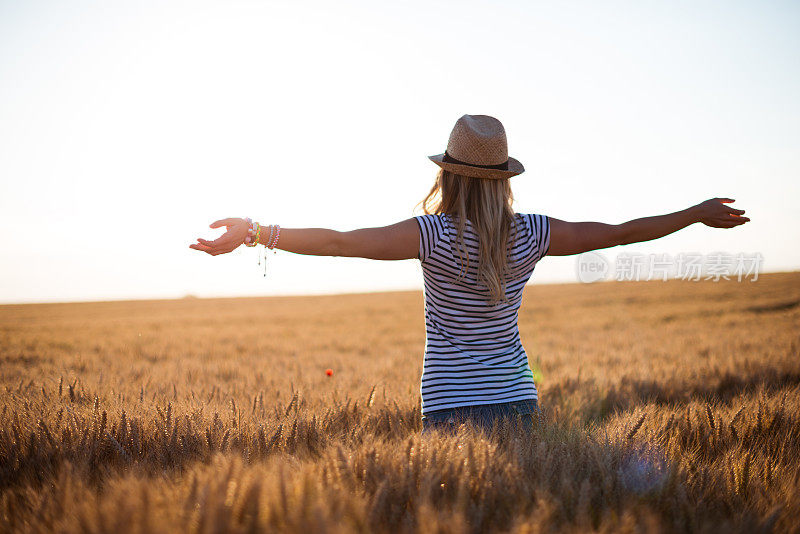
(483, 415)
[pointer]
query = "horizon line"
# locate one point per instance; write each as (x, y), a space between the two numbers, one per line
(190, 296)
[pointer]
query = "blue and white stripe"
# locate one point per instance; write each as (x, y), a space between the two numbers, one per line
(473, 352)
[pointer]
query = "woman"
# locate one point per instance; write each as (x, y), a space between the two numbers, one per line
(476, 255)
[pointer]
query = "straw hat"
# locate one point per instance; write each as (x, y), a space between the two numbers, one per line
(478, 148)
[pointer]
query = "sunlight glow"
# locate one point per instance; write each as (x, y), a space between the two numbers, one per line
(127, 127)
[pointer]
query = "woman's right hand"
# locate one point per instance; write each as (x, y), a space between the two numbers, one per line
(717, 214)
(236, 231)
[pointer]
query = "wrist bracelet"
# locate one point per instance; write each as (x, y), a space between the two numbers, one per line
(253, 238)
(269, 237)
(253, 231)
(249, 221)
(277, 235)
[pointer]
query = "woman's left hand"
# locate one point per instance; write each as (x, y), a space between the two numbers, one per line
(236, 231)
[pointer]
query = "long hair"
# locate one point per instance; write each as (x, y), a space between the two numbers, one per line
(487, 204)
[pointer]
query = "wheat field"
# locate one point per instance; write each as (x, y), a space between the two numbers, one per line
(668, 407)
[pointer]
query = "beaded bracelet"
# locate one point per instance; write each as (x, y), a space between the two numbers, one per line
(249, 222)
(277, 235)
(269, 237)
(253, 232)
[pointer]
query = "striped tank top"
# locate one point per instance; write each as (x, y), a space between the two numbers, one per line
(473, 352)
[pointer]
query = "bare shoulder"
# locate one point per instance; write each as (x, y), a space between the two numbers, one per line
(402, 239)
(406, 226)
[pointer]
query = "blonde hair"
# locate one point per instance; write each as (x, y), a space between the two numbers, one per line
(487, 204)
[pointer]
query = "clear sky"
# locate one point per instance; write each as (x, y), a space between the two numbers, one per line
(127, 127)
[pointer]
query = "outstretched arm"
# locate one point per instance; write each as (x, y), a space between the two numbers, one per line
(574, 238)
(399, 241)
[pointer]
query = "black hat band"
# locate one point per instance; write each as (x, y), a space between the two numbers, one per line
(450, 159)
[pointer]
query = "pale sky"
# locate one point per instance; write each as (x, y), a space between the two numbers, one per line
(127, 127)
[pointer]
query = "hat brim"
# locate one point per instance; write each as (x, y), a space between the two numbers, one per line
(514, 168)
